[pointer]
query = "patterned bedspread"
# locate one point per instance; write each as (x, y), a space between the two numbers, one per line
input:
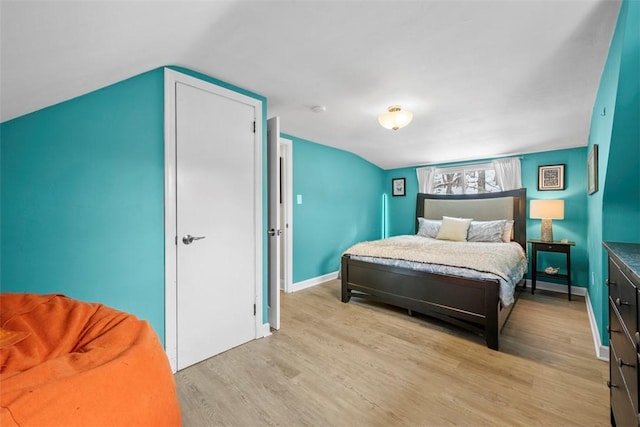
(506, 262)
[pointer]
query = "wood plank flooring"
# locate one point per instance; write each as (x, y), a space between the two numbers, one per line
(365, 364)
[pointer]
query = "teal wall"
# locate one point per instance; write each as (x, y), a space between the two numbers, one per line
(401, 212)
(614, 211)
(83, 197)
(0, 207)
(574, 226)
(82, 192)
(621, 197)
(341, 205)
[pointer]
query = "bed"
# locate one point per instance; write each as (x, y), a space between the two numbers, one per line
(472, 303)
(65, 362)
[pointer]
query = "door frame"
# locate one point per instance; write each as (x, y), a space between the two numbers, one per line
(274, 241)
(287, 184)
(171, 78)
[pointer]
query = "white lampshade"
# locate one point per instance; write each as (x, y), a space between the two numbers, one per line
(549, 209)
(546, 210)
(396, 118)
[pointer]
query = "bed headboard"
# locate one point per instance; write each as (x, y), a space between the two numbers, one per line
(482, 207)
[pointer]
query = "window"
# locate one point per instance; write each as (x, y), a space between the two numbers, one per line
(472, 179)
(497, 175)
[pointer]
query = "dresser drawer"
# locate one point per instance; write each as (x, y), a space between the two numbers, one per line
(623, 294)
(621, 406)
(624, 356)
(624, 336)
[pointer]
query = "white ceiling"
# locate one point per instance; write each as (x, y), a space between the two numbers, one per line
(483, 78)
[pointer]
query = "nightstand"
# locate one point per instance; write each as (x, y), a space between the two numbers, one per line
(556, 246)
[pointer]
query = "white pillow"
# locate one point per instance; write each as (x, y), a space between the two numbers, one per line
(454, 229)
(508, 231)
(486, 231)
(428, 227)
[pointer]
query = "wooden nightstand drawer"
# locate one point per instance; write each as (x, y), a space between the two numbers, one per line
(551, 247)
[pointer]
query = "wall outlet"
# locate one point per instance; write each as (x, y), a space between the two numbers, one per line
(299, 199)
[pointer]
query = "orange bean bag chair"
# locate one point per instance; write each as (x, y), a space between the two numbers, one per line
(69, 363)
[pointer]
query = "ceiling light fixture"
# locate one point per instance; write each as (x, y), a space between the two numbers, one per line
(396, 118)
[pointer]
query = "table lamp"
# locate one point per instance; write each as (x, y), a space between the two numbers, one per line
(546, 210)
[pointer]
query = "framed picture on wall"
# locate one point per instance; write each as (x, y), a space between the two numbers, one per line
(397, 186)
(551, 177)
(592, 170)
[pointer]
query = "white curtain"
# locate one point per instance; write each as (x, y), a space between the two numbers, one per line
(425, 179)
(508, 173)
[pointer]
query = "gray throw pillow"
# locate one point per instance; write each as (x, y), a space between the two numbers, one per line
(428, 227)
(486, 231)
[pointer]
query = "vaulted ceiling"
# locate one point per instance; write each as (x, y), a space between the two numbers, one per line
(483, 78)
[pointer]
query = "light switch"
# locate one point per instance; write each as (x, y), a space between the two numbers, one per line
(299, 197)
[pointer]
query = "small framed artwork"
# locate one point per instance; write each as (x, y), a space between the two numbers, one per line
(397, 186)
(592, 170)
(551, 177)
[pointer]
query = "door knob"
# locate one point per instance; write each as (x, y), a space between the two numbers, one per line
(274, 232)
(188, 239)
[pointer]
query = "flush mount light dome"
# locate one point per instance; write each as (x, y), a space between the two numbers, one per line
(396, 118)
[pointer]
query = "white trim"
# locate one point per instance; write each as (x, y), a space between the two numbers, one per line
(171, 77)
(265, 330)
(259, 227)
(298, 286)
(288, 234)
(556, 287)
(170, 221)
(602, 351)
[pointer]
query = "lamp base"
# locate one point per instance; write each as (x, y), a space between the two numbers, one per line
(546, 231)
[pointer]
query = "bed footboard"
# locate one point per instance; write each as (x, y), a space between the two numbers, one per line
(472, 304)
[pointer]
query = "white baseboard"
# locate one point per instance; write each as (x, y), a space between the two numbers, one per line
(602, 351)
(557, 287)
(298, 286)
(265, 332)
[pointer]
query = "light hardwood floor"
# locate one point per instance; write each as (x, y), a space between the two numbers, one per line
(363, 364)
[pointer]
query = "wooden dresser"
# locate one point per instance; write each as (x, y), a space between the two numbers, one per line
(624, 332)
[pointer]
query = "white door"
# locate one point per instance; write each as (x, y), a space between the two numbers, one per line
(286, 214)
(273, 154)
(215, 223)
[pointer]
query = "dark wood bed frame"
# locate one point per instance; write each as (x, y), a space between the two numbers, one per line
(473, 304)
